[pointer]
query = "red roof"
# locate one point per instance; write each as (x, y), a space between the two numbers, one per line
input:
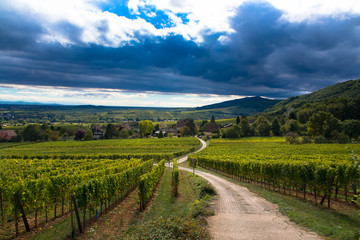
(7, 134)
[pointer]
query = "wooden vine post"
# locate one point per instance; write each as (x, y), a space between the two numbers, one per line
(194, 165)
(18, 204)
(72, 220)
(77, 214)
(16, 218)
(1, 205)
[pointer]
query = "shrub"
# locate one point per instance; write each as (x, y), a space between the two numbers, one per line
(169, 228)
(215, 135)
(341, 137)
(292, 138)
(320, 139)
(306, 139)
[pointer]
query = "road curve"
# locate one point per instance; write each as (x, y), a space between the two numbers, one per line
(240, 214)
(183, 159)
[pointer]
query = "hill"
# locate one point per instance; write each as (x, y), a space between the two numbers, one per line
(258, 104)
(348, 91)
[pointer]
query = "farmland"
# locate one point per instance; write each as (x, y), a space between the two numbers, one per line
(127, 148)
(41, 181)
(322, 171)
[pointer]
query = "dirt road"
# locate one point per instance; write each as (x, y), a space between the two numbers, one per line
(183, 159)
(240, 214)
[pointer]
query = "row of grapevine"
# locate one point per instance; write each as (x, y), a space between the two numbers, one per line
(113, 149)
(175, 180)
(148, 183)
(331, 176)
(42, 177)
(320, 178)
(98, 192)
(146, 156)
(111, 181)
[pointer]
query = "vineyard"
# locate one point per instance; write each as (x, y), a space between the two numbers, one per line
(42, 181)
(323, 171)
(110, 149)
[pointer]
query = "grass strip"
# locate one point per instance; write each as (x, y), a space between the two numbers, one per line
(175, 218)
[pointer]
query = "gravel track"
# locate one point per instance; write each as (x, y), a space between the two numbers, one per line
(240, 214)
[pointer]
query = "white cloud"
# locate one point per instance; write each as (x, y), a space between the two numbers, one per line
(108, 97)
(303, 10)
(204, 17)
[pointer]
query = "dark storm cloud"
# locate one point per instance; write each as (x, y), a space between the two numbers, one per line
(17, 29)
(266, 56)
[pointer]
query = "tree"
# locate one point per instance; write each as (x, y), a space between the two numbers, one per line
(45, 126)
(47, 134)
(202, 125)
(323, 124)
(146, 127)
(212, 119)
(304, 115)
(79, 134)
(54, 136)
(292, 115)
(263, 126)
(110, 131)
(351, 128)
(245, 127)
(161, 135)
(156, 128)
(232, 132)
(32, 132)
(292, 125)
(275, 127)
(124, 134)
(237, 120)
(89, 135)
(190, 123)
(186, 131)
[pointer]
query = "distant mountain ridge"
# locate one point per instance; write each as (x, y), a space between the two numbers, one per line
(248, 102)
(28, 103)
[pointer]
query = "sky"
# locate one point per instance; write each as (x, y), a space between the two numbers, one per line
(171, 53)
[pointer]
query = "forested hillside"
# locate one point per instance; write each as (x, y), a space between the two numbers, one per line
(342, 100)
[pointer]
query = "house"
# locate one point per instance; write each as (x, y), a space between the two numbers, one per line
(97, 132)
(163, 127)
(7, 135)
(157, 132)
(228, 125)
(124, 126)
(212, 127)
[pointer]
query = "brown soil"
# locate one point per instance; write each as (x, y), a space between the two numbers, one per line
(115, 222)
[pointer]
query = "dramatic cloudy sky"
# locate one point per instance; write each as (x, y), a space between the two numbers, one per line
(174, 52)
